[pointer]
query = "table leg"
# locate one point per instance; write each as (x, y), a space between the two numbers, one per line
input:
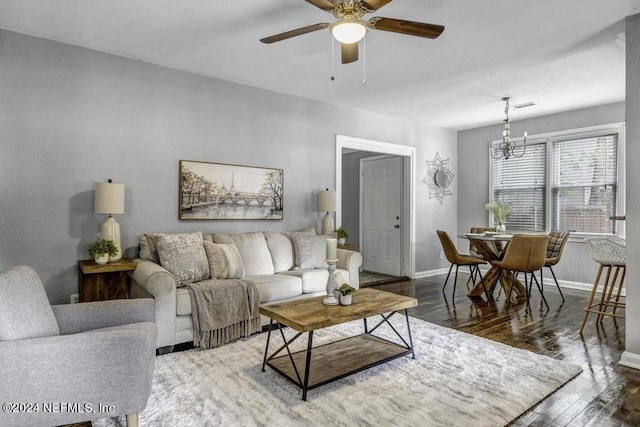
(413, 353)
(266, 348)
(506, 278)
(488, 279)
(307, 367)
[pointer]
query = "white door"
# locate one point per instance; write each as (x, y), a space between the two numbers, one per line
(382, 203)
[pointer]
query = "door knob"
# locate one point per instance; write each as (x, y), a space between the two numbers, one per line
(396, 226)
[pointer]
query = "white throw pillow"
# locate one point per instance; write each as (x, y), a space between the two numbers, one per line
(253, 250)
(281, 249)
(311, 251)
(225, 261)
(183, 255)
(148, 247)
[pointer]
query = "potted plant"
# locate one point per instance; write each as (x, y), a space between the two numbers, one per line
(101, 250)
(343, 234)
(345, 293)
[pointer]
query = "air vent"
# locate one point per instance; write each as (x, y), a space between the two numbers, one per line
(525, 105)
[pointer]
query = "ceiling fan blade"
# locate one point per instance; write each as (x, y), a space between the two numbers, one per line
(373, 5)
(294, 33)
(411, 28)
(349, 52)
(326, 5)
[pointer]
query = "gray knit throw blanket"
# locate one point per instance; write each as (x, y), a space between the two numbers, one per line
(223, 310)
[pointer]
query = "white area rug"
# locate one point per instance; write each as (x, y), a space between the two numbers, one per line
(456, 379)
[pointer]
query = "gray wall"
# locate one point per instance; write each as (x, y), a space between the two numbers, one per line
(576, 264)
(633, 190)
(430, 214)
(71, 117)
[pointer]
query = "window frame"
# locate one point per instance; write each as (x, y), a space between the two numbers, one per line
(548, 139)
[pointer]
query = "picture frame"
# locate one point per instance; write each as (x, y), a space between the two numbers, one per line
(220, 191)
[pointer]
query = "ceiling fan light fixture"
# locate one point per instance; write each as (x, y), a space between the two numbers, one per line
(348, 32)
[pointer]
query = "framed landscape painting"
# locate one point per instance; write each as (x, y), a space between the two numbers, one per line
(223, 191)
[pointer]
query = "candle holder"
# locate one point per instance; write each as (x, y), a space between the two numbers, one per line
(331, 299)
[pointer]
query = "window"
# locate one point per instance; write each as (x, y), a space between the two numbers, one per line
(565, 181)
(520, 181)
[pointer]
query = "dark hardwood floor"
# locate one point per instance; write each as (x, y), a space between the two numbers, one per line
(604, 394)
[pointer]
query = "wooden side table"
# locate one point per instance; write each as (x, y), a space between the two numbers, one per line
(99, 282)
(347, 246)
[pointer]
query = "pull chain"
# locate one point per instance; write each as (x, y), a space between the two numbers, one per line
(364, 61)
(333, 58)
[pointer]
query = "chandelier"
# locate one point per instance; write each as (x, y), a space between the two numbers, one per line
(507, 147)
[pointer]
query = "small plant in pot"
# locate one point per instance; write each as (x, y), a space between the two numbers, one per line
(346, 291)
(342, 234)
(101, 250)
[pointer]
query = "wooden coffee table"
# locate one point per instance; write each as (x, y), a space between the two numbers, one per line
(320, 365)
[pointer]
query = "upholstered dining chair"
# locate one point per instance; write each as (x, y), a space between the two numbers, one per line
(457, 259)
(557, 240)
(85, 361)
(525, 253)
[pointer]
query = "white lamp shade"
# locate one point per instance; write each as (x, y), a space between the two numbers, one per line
(109, 198)
(348, 32)
(327, 201)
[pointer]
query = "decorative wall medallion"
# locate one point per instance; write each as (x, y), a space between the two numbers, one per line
(439, 177)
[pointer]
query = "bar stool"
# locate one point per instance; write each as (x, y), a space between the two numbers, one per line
(610, 253)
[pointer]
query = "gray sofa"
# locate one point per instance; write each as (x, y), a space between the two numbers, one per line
(283, 266)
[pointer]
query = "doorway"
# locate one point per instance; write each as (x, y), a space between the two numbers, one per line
(381, 214)
(407, 154)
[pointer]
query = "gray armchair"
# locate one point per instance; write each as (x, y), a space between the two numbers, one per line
(70, 363)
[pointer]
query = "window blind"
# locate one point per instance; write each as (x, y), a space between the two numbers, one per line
(584, 184)
(520, 181)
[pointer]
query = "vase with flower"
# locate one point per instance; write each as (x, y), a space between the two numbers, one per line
(500, 211)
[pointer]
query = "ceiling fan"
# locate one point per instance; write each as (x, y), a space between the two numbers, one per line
(349, 29)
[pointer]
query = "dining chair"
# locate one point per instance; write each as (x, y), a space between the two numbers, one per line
(457, 259)
(557, 240)
(526, 253)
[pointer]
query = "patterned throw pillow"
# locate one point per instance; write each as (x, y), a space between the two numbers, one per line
(183, 256)
(311, 251)
(224, 260)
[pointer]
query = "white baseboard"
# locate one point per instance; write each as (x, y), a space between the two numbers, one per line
(630, 360)
(578, 285)
(430, 273)
(564, 284)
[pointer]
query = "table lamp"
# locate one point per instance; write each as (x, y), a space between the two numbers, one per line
(109, 199)
(327, 203)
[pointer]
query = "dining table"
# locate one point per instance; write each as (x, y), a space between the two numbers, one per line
(485, 244)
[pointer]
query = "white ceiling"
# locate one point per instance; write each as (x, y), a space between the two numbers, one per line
(561, 54)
